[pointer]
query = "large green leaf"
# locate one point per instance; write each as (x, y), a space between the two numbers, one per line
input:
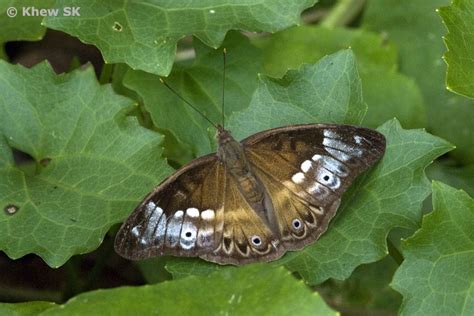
(388, 196)
(437, 276)
(201, 84)
(326, 92)
(387, 92)
(459, 19)
(143, 34)
(25, 309)
(20, 27)
(252, 290)
(91, 165)
(417, 30)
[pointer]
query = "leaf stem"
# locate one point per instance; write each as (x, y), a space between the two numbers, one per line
(343, 13)
(101, 262)
(72, 281)
(106, 73)
(394, 252)
(13, 294)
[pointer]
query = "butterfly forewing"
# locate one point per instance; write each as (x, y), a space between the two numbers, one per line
(305, 169)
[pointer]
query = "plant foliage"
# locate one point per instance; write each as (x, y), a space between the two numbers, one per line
(92, 148)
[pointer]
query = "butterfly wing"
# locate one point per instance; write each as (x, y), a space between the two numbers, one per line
(197, 212)
(306, 169)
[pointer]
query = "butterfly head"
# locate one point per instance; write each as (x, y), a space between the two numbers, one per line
(223, 136)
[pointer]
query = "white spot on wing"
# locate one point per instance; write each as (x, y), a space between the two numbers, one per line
(339, 155)
(332, 165)
(189, 230)
(151, 206)
(317, 157)
(160, 231)
(136, 231)
(207, 215)
(298, 178)
(188, 236)
(174, 228)
(152, 222)
(306, 165)
(192, 212)
(212, 11)
(335, 144)
(205, 236)
(328, 179)
(330, 133)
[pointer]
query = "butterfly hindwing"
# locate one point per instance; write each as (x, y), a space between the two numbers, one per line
(305, 170)
(246, 237)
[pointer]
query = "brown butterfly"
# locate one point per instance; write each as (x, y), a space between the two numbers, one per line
(252, 201)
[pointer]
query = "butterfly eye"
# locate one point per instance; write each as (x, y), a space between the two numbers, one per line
(296, 223)
(256, 241)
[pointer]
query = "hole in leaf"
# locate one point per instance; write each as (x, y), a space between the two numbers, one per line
(11, 209)
(117, 27)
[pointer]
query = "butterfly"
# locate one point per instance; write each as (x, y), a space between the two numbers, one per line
(253, 200)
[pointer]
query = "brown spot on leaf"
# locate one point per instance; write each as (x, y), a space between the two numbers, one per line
(45, 162)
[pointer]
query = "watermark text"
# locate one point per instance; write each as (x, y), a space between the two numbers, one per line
(43, 12)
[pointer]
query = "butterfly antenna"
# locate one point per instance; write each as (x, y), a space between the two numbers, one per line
(188, 103)
(224, 54)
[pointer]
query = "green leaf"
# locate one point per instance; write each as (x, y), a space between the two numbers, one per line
(329, 92)
(91, 163)
(20, 27)
(201, 84)
(459, 19)
(417, 30)
(25, 309)
(388, 196)
(387, 92)
(437, 275)
(144, 34)
(252, 290)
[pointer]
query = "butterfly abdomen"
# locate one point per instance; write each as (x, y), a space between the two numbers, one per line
(233, 157)
(248, 185)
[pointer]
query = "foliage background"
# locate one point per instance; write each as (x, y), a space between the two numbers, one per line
(80, 144)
